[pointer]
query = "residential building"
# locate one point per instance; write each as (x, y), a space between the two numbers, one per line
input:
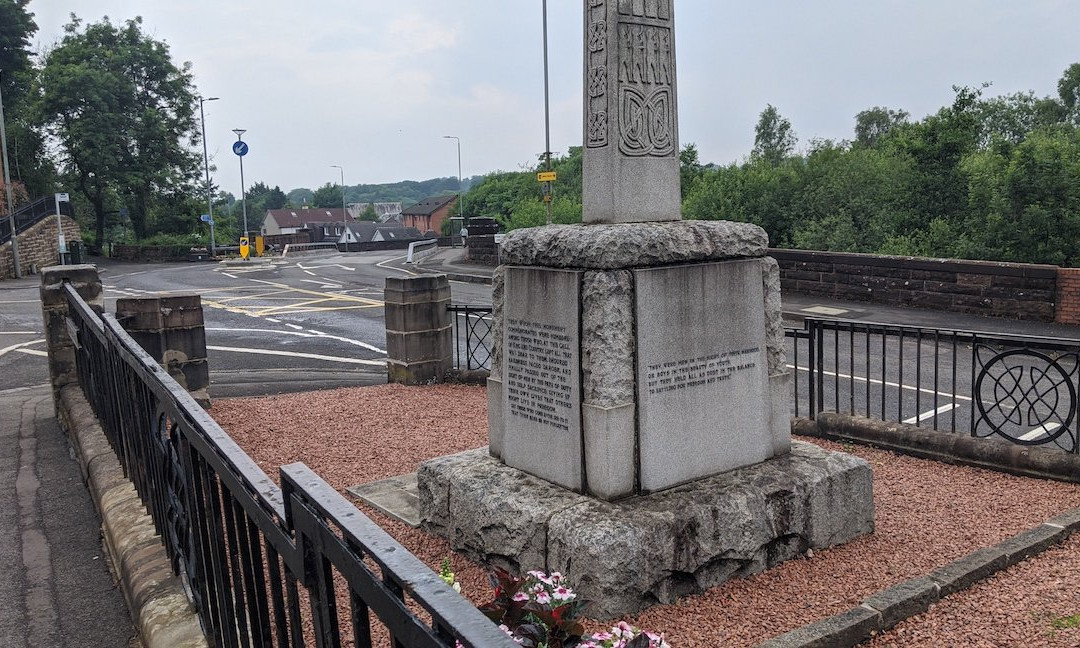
(324, 224)
(429, 214)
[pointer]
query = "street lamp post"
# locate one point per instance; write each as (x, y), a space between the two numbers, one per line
(7, 190)
(460, 186)
(243, 191)
(344, 210)
(547, 114)
(206, 165)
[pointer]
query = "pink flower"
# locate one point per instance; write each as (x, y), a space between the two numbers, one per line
(562, 594)
(543, 598)
(538, 575)
(521, 597)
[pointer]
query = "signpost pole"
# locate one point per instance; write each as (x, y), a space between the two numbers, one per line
(547, 117)
(7, 190)
(61, 243)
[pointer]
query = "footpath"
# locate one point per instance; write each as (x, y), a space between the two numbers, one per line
(56, 588)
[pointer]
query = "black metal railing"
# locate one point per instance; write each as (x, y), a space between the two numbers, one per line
(1019, 388)
(472, 336)
(31, 214)
(267, 566)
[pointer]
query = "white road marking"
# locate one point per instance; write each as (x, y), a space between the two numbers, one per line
(316, 332)
(1042, 430)
(345, 267)
(294, 326)
(19, 332)
(275, 321)
(9, 349)
(380, 265)
(293, 354)
(873, 381)
(230, 275)
(20, 301)
(931, 414)
(310, 272)
(33, 352)
(323, 284)
(311, 334)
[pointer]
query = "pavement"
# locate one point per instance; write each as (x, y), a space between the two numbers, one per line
(55, 585)
(797, 308)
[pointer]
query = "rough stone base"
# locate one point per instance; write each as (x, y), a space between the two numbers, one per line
(629, 555)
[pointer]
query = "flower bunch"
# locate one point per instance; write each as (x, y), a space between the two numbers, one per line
(538, 609)
(623, 635)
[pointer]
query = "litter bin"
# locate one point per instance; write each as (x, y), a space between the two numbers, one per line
(76, 253)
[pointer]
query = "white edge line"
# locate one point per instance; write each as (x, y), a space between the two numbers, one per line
(293, 354)
(358, 343)
(930, 414)
(9, 349)
(33, 352)
(874, 381)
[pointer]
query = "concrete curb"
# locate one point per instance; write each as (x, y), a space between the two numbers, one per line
(882, 610)
(155, 596)
(989, 453)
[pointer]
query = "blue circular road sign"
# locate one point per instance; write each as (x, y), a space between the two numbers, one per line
(240, 148)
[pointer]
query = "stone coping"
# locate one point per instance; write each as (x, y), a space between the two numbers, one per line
(633, 245)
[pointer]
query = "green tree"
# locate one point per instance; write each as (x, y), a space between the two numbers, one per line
(873, 124)
(369, 214)
(774, 138)
(123, 116)
(1069, 92)
(327, 196)
(690, 168)
(30, 165)
(756, 192)
(533, 213)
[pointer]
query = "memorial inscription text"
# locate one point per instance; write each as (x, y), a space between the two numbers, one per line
(538, 372)
(707, 370)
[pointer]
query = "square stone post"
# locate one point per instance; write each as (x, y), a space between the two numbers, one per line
(172, 331)
(419, 340)
(54, 308)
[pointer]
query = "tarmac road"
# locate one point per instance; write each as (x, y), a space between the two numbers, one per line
(305, 323)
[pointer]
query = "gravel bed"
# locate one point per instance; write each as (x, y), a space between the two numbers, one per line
(928, 513)
(1035, 604)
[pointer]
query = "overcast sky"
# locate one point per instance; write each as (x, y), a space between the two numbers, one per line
(373, 85)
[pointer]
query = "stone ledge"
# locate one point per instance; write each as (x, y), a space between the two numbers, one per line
(628, 555)
(633, 245)
(155, 596)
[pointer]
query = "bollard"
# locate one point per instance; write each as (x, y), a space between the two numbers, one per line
(171, 330)
(419, 339)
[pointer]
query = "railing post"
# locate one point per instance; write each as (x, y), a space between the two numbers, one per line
(54, 308)
(171, 330)
(419, 338)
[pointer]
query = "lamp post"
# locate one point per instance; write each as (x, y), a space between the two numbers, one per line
(461, 192)
(206, 165)
(344, 210)
(7, 190)
(547, 113)
(243, 191)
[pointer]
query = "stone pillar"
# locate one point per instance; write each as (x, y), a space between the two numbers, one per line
(54, 307)
(631, 157)
(419, 340)
(171, 330)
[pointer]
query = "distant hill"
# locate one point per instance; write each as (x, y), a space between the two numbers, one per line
(407, 192)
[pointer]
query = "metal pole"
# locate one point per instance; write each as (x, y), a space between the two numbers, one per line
(547, 111)
(460, 185)
(7, 190)
(243, 190)
(60, 242)
(206, 164)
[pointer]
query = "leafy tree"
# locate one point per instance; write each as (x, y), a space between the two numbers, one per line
(756, 192)
(533, 213)
(123, 116)
(1012, 117)
(369, 214)
(30, 165)
(1069, 92)
(261, 198)
(873, 124)
(327, 196)
(774, 139)
(499, 193)
(690, 168)
(299, 197)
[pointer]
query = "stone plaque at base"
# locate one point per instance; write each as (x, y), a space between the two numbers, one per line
(702, 377)
(541, 377)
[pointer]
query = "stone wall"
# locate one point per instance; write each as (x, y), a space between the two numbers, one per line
(38, 247)
(1014, 290)
(483, 250)
(150, 253)
(1068, 296)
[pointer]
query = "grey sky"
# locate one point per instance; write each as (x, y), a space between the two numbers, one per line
(373, 85)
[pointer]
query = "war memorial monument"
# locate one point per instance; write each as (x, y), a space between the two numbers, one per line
(639, 430)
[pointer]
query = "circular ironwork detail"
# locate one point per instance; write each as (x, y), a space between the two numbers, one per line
(1025, 388)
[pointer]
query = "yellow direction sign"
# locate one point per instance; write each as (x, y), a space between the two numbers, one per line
(245, 249)
(545, 176)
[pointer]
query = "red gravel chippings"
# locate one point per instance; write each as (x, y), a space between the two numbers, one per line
(928, 514)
